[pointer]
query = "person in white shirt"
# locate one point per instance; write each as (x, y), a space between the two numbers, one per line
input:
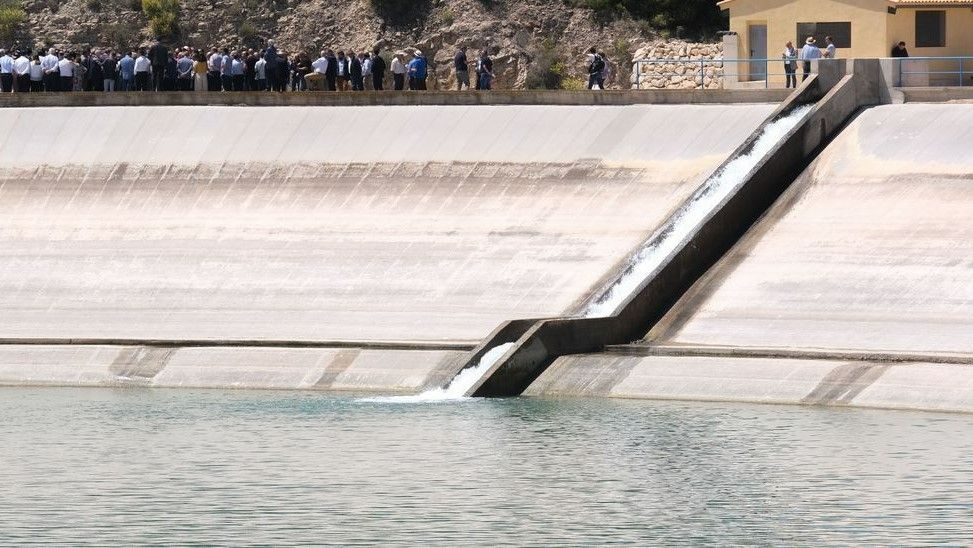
(809, 52)
(366, 69)
(36, 75)
(49, 66)
(143, 72)
(831, 52)
(6, 72)
(398, 71)
(260, 74)
(66, 68)
(319, 70)
(215, 65)
(22, 71)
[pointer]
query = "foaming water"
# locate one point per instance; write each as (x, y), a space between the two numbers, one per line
(458, 387)
(689, 216)
(181, 467)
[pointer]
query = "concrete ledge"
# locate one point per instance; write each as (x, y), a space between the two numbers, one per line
(937, 94)
(382, 98)
(788, 353)
(406, 371)
(917, 386)
(462, 346)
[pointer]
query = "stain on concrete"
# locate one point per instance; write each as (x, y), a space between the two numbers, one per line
(573, 376)
(844, 383)
(141, 362)
(341, 362)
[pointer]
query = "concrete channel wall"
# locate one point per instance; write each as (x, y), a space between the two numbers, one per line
(389, 230)
(837, 92)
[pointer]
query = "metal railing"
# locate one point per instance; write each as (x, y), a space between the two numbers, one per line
(746, 70)
(911, 71)
(924, 71)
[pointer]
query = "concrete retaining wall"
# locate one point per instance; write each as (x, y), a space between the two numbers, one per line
(424, 98)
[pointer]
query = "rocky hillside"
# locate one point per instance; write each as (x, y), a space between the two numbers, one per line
(535, 43)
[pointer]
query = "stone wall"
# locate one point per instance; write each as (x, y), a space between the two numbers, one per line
(678, 65)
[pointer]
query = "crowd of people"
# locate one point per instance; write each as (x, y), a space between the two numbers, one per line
(160, 68)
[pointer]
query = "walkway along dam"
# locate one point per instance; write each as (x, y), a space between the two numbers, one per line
(385, 249)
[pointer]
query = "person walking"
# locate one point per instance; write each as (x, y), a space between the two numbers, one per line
(126, 70)
(462, 68)
(22, 72)
(6, 72)
(200, 73)
(418, 72)
(899, 50)
(596, 67)
(355, 72)
(36, 75)
(143, 73)
(378, 70)
(159, 58)
(809, 52)
(49, 66)
(109, 71)
(485, 68)
(66, 68)
(790, 64)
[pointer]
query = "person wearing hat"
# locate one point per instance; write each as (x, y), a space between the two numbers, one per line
(398, 71)
(809, 52)
(418, 71)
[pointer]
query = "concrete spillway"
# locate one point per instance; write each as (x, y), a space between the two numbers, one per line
(358, 225)
(856, 288)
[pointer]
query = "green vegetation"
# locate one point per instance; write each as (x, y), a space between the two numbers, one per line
(163, 16)
(12, 18)
(546, 70)
(692, 18)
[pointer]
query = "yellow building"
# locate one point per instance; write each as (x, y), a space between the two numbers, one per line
(859, 28)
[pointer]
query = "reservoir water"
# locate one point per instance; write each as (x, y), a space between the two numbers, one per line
(128, 466)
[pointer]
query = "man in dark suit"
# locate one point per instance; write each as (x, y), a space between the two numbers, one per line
(159, 57)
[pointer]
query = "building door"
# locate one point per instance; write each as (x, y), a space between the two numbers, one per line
(757, 41)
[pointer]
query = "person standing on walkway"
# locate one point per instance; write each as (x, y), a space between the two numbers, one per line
(366, 70)
(36, 75)
(226, 70)
(22, 71)
(809, 52)
(418, 72)
(143, 73)
(250, 60)
(184, 71)
(831, 52)
(270, 68)
(260, 74)
(398, 71)
(6, 72)
(49, 66)
(343, 72)
(126, 70)
(331, 75)
(215, 65)
(355, 72)
(200, 73)
(378, 70)
(159, 58)
(238, 70)
(790, 64)
(66, 68)
(462, 67)
(485, 66)
(109, 71)
(596, 68)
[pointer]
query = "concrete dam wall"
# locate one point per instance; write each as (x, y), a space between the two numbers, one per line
(856, 288)
(359, 247)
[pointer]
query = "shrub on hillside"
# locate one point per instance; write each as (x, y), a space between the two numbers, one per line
(12, 18)
(163, 16)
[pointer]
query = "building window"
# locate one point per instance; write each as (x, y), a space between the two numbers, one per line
(839, 32)
(931, 29)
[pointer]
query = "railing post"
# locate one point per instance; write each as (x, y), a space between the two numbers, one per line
(702, 73)
(960, 72)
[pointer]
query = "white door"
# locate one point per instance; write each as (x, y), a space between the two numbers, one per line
(758, 50)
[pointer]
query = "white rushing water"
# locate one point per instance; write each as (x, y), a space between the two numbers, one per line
(691, 214)
(457, 388)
